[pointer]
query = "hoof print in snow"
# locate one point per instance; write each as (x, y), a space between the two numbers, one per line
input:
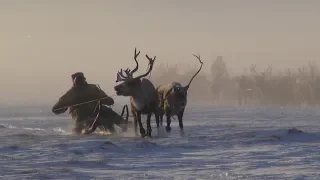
(14, 147)
(109, 143)
(294, 131)
(78, 152)
(276, 137)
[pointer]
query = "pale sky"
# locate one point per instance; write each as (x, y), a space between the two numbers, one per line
(43, 42)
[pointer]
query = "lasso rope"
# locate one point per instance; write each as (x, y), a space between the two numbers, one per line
(87, 102)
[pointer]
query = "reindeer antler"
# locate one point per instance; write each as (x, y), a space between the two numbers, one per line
(267, 72)
(129, 73)
(121, 76)
(151, 60)
(198, 57)
(288, 71)
(253, 70)
(150, 66)
(135, 59)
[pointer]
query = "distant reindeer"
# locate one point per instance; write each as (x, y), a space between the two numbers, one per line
(286, 85)
(173, 100)
(143, 94)
(315, 82)
(261, 81)
(245, 89)
(304, 91)
(220, 79)
(163, 73)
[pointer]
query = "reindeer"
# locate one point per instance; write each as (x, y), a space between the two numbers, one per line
(304, 91)
(162, 73)
(286, 84)
(173, 100)
(260, 81)
(315, 82)
(220, 79)
(245, 86)
(142, 93)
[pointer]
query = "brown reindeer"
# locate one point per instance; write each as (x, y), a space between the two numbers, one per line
(142, 93)
(173, 100)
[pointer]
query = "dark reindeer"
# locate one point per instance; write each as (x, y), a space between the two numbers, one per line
(173, 100)
(143, 95)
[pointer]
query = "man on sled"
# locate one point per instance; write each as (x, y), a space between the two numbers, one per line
(85, 102)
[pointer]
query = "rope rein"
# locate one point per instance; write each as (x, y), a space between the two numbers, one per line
(87, 102)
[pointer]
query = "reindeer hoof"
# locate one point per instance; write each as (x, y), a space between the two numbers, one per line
(168, 129)
(142, 132)
(149, 133)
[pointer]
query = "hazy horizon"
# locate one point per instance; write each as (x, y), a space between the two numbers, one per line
(44, 42)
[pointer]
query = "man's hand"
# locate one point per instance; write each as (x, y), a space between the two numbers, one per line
(108, 101)
(59, 111)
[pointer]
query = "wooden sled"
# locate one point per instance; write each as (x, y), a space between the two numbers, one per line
(103, 128)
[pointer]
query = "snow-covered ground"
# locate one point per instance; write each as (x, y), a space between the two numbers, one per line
(220, 143)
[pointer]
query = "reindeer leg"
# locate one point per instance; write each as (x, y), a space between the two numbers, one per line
(157, 120)
(142, 130)
(149, 125)
(167, 111)
(180, 118)
(111, 128)
(168, 128)
(160, 118)
(160, 112)
(135, 123)
(245, 100)
(156, 114)
(239, 98)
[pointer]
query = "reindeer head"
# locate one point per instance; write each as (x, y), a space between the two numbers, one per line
(181, 92)
(302, 76)
(130, 85)
(260, 78)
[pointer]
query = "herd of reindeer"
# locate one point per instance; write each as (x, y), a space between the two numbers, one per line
(163, 94)
(286, 88)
